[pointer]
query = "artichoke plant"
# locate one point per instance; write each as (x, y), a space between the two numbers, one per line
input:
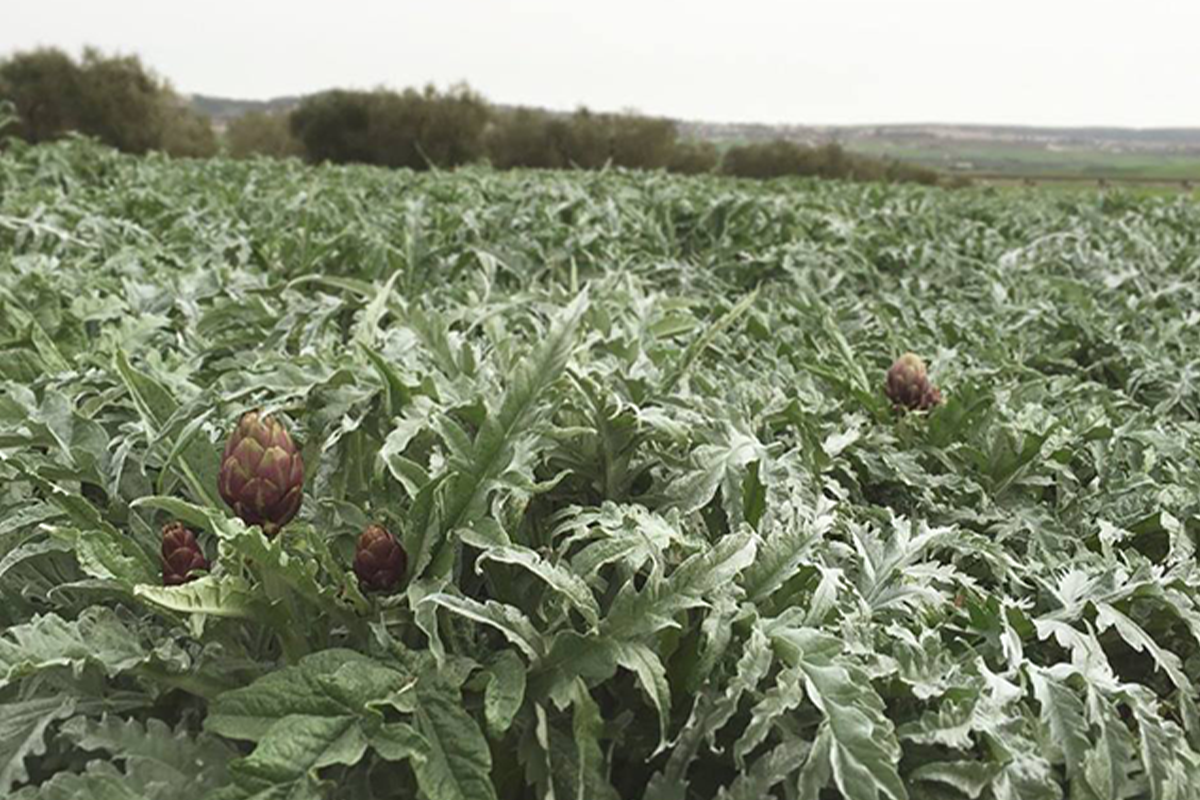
(908, 384)
(379, 560)
(181, 554)
(262, 473)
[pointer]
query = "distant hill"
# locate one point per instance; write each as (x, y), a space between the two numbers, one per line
(997, 151)
(1175, 139)
(224, 109)
(983, 150)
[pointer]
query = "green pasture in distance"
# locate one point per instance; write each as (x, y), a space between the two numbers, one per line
(1027, 160)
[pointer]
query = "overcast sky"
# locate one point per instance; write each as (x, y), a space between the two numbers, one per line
(1052, 62)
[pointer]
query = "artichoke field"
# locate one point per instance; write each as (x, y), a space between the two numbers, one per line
(365, 484)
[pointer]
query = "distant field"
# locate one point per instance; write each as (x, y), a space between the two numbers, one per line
(1028, 160)
(990, 153)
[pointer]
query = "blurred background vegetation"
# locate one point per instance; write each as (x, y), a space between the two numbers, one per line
(120, 101)
(114, 98)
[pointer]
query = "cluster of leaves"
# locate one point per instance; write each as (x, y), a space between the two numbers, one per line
(666, 537)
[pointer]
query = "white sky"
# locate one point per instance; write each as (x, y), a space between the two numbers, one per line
(1040, 62)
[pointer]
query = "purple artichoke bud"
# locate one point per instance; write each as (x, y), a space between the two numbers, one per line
(379, 560)
(181, 554)
(262, 473)
(908, 384)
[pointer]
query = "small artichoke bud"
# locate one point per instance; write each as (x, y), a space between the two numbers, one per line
(379, 560)
(181, 554)
(262, 473)
(908, 384)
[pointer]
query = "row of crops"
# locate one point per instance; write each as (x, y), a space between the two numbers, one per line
(601, 495)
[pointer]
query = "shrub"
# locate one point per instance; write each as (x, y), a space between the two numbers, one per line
(901, 172)
(186, 132)
(639, 142)
(44, 87)
(450, 126)
(585, 140)
(122, 104)
(412, 129)
(525, 137)
(113, 98)
(531, 138)
(332, 126)
(261, 134)
(694, 158)
(782, 158)
(769, 160)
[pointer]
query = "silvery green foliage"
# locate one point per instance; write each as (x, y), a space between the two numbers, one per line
(666, 537)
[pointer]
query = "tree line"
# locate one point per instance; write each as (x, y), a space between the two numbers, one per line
(117, 100)
(112, 98)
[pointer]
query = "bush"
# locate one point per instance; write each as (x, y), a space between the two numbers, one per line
(260, 134)
(332, 126)
(585, 140)
(900, 172)
(113, 98)
(450, 126)
(781, 158)
(694, 158)
(44, 87)
(186, 132)
(641, 142)
(122, 104)
(525, 138)
(768, 160)
(538, 139)
(413, 129)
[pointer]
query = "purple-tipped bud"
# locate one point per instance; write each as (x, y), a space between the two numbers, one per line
(181, 554)
(379, 560)
(908, 384)
(262, 473)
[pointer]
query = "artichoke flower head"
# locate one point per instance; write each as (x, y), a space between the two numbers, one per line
(908, 385)
(262, 473)
(181, 554)
(379, 560)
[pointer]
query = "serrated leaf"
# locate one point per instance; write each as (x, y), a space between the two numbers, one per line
(331, 683)
(505, 691)
(294, 748)
(227, 596)
(98, 637)
(569, 585)
(767, 772)
(642, 661)
(1063, 712)
(862, 751)
(153, 753)
(515, 626)
(23, 725)
(398, 741)
(458, 763)
(968, 777)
